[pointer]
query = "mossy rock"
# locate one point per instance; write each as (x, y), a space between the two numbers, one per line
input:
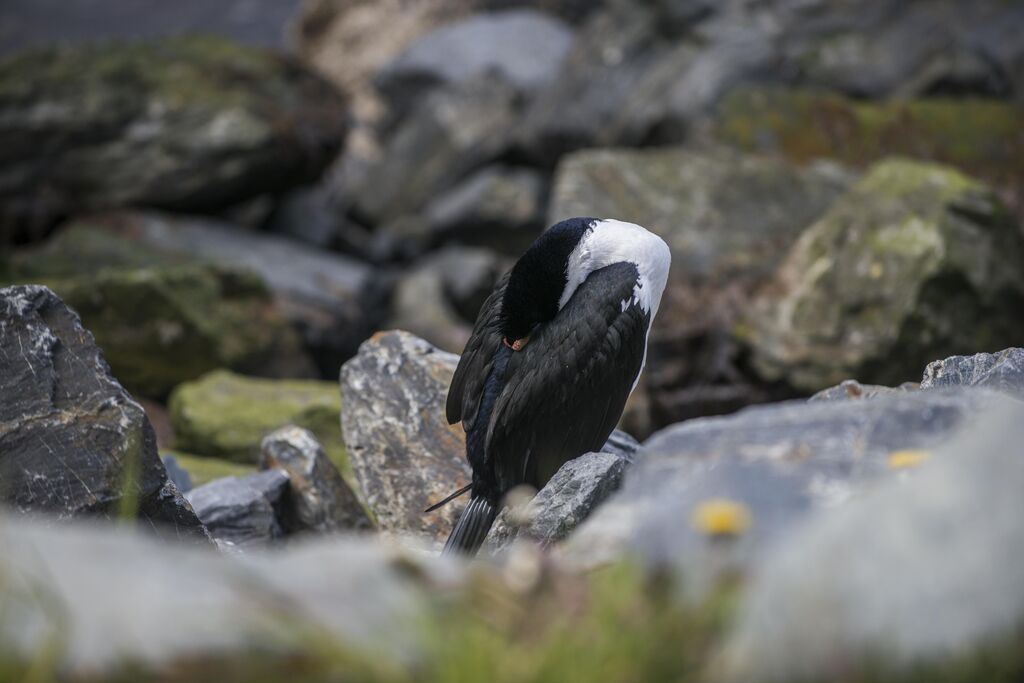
(188, 122)
(983, 137)
(204, 469)
(916, 262)
(226, 415)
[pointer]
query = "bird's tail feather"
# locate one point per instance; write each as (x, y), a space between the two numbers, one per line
(471, 529)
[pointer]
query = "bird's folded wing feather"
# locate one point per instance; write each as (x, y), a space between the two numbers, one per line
(565, 391)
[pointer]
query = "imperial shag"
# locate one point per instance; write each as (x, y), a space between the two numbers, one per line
(555, 352)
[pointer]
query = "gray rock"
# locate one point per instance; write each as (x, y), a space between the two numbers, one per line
(334, 301)
(919, 569)
(122, 599)
(433, 299)
(575, 491)
(622, 445)
(69, 433)
(499, 207)
(522, 46)
(916, 261)
(318, 499)
(1002, 371)
(769, 468)
(241, 512)
(110, 125)
(852, 390)
(404, 454)
(449, 133)
(176, 474)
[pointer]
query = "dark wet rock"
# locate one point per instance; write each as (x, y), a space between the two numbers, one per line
(623, 445)
(177, 474)
(318, 499)
(523, 47)
(920, 568)
(449, 133)
(69, 433)
(111, 125)
(915, 262)
(307, 216)
(728, 219)
(500, 207)
(440, 297)
(1002, 371)
(575, 491)
(332, 300)
(719, 493)
(404, 453)
(241, 512)
(852, 390)
(225, 415)
(163, 325)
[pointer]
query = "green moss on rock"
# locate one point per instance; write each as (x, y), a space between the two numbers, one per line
(226, 415)
(204, 469)
(916, 262)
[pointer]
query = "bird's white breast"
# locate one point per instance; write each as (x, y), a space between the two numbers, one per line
(610, 241)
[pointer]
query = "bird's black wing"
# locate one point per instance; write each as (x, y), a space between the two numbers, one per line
(467, 385)
(565, 391)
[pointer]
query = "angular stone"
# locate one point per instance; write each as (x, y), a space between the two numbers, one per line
(177, 474)
(227, 415)
(575, 491)
(403, 452)
(72, 440)
(318, 499)
(760, 473)
(918, 569)
(241, 512)
(915, 262)
(110, 125)
(1002, 371)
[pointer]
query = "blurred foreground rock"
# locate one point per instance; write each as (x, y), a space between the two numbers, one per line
(915, 262)
(227, 415)
(1003, 371)
(925, 569)
(318, 499)
(184, 123)
(72, 441)
(719, 493)
(241, 513)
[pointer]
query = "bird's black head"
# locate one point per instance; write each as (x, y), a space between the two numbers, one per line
(539, 277)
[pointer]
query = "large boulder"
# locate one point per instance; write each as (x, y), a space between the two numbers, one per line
(72, 440)
(403, 452)
(333, 301)
(719, 493)
(163, 325)
(114, 124)
(1003, 371)
(728, 219)
(918, 569)
(242, 512)
(318, 498)
(915, 262)
(226, 415)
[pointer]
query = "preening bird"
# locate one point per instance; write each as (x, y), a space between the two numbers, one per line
(555, 352)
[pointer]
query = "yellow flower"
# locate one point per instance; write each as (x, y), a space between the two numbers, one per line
(901, 460)
(721, 517)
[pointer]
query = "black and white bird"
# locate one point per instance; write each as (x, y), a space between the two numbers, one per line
(556, 350)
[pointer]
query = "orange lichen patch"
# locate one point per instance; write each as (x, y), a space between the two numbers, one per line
(901, 460)
(721, 517)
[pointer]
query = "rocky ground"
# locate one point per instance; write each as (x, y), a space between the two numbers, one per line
(201, 240)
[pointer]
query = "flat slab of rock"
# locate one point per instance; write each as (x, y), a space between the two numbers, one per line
(403, 452)
(68, 430)
(318, 499)
(1002, 371)
(923, 568)
(749, 478)
(241, 512)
